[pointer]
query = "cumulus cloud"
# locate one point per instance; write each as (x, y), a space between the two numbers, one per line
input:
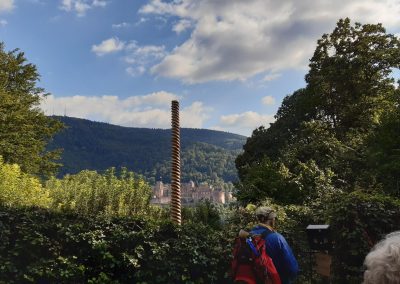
(195, 115)
(108, 46)
(80, 7)
(6, 5)
(152, 110)
(268, 100)
(244, 123)
(235, 41)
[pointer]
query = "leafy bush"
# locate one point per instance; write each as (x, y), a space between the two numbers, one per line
(40, 246)
(204, 212)
(60, 246)
(299, 185)
(358, 221)
(20, 189)
(89, 192)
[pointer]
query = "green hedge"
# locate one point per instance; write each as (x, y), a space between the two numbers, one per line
(358, 221)
(40, 246)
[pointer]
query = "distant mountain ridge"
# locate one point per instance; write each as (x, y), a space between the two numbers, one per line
(207, 155)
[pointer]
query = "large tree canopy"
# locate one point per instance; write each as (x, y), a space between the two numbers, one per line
(349, 76)
(332, 123)
(24, 129)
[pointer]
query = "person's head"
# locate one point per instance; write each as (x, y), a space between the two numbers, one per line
(266, 215)
(383, 261)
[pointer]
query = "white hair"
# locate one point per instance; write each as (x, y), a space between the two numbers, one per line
(383, 261)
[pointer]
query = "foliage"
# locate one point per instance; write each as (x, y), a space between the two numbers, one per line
(267, 179)
(331, 128)
(207, 155)
(205, 212)
(89, 192)
(349, 74)
(358, 221)
(304, 183)
(20, 189)
(47, 246)
(202, 162)
(331, 156)
(383, 152)
(24, 129)
(43, 247)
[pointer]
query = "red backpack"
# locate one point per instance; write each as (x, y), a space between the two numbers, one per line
(251, 264)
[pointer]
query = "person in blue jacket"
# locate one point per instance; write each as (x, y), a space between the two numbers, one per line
(276, 245)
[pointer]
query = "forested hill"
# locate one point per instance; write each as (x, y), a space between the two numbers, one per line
(207, 155)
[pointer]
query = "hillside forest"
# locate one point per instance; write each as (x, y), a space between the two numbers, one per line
(332, 156)
(206, 155)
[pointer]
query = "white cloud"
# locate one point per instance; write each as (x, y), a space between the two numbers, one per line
(195, 115)
(271, 77)
(99, 3)
(235, 41)
(80, 7)
(244, 123)
(141, 21)
(182, 25)
(6, 5)
(268, 100)
(138, 53)
(121, 25)
(108, 46)
(135, 71)
(3, 23)
(139, 58)
(152, 110)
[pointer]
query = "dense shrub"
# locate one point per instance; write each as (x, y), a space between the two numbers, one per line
(358, 221)
(40, 246)
(111, 193)
(20, 189)
(206, 213)
(70, 245)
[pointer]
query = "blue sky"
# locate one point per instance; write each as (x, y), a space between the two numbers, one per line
(229, 62)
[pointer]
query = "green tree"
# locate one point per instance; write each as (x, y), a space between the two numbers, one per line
(328, 123)
(267, 179)
(24, 129)
(383, 152)
(272, 141)
(349, 78)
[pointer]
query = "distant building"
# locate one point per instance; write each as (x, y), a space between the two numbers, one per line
(190, 193)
